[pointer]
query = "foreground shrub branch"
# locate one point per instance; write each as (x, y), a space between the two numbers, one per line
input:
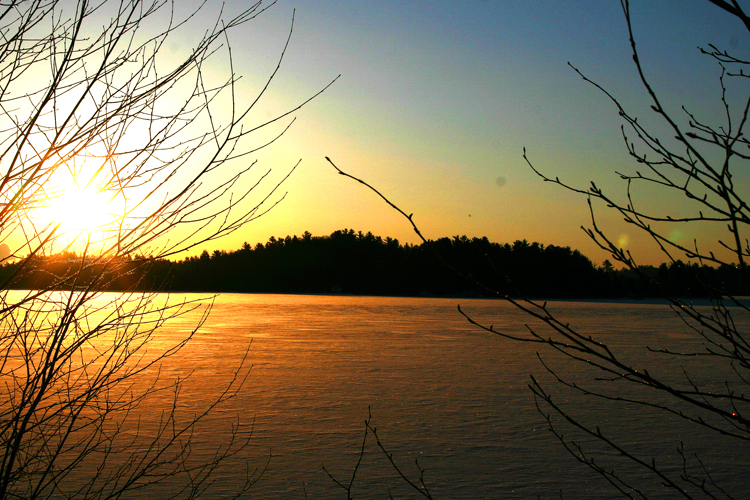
(699, 161)
(94, 101)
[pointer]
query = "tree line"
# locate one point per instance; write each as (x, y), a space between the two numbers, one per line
(357, 263)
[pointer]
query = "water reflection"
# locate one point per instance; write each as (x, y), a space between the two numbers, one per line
(440, 390)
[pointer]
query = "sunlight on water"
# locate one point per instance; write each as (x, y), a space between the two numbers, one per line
(440, 391)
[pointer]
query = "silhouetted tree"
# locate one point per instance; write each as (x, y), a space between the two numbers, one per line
(701, 161)
(704, 163)
(362, 263)
(91, 97)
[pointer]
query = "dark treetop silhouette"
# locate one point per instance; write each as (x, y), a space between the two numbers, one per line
(364, 264)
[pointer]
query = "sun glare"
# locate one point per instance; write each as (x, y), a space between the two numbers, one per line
(81, 210)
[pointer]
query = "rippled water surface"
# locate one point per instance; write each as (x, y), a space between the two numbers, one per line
(439, 389)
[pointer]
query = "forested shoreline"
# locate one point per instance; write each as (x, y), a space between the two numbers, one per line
(357, 263)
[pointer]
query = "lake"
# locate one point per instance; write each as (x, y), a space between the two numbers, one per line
(440, 390)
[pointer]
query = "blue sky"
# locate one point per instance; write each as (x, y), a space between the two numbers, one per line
(437, 100)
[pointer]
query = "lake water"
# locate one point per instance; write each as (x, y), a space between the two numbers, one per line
(440, 390)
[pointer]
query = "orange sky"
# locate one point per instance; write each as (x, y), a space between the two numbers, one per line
(437, 100)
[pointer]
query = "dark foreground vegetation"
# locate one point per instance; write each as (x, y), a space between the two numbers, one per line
(350, 262)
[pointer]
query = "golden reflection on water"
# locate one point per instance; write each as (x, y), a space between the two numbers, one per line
(439, 389)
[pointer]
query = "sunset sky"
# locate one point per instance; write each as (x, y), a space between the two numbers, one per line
(437, 100)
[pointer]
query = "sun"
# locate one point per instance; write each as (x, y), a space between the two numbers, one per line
(81, 211)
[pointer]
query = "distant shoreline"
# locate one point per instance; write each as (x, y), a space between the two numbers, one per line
(362, 264)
